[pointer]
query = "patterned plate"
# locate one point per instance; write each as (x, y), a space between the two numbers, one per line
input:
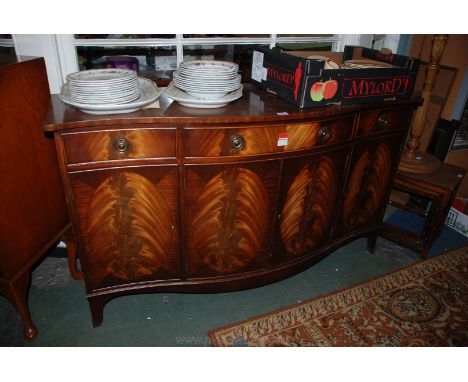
(185, 99)
(149, 93)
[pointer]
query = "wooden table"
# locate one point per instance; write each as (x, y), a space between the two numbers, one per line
(33, 210)
(439, 188)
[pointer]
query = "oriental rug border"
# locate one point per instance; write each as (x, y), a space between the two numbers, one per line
(422, 304)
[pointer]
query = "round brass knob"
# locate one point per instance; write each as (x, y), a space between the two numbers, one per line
(324, 134)
(382, 122)
(120, 145)
(237, 142)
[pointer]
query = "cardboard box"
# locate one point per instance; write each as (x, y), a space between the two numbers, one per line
(311, 83)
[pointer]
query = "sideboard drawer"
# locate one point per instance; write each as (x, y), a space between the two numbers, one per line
(383, 120)
(95, 146)
(252, 140)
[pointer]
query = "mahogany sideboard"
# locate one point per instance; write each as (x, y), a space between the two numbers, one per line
(33, 208)
(180, 199)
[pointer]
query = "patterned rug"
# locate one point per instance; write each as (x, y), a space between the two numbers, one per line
(424, 304)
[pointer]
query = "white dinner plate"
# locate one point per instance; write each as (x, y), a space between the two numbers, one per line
(95, 76)
(207, 75)
(185, 99)
(207, 80)
(102, 100)
(209, 66)
(149, 93)
(194, 87)
(106, 87)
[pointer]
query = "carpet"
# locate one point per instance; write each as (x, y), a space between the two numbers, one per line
(423, 304)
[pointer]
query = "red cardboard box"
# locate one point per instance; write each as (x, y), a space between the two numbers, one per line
(313, 83)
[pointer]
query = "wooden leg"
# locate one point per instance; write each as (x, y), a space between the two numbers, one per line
(71, 249)
(371, 242)
(96, 305)
(425, 251)
(17, 293)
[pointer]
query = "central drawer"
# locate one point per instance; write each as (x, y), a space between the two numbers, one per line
(249, 140)
(119, 144)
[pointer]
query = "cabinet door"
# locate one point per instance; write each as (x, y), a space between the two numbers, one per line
(368, 184)
(230, 210)
(127, 218)
(311, 187)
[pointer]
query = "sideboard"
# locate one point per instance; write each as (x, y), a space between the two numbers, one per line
(179, 199)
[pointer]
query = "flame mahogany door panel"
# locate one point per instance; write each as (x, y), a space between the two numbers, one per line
(128, 224)
(368, 183)
(310, 191)
(230, 212)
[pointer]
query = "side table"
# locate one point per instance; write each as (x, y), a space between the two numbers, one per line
(439, 190)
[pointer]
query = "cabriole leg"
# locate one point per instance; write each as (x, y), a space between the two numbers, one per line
(18, 295)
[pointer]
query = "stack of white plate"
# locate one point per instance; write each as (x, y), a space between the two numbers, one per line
(207, 79)
(103, 86)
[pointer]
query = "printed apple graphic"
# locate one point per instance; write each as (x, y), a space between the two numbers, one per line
(316, 91)
(329, 89)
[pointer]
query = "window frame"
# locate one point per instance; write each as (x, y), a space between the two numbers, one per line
(7, 43)
(61, 58)
(180, 42)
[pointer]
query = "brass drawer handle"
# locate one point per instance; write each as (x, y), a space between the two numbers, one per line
(121, 145)
(382, 122)
(237, 142)
(324, 134)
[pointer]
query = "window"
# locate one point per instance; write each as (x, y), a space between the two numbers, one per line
(156, 56)
(390, 41)
(6, 44)
(461, 138)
